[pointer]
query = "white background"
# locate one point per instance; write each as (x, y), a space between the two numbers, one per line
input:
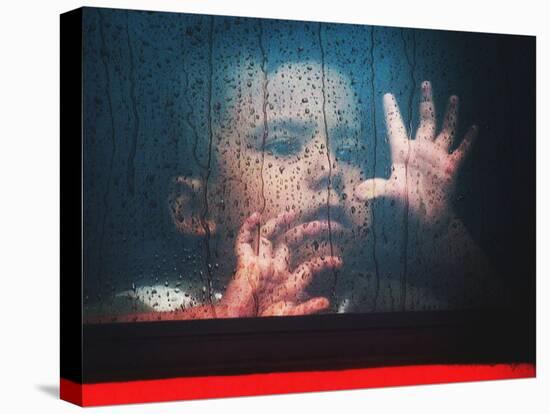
(29, 205)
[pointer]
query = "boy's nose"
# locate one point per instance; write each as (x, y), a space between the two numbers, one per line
(324, 171)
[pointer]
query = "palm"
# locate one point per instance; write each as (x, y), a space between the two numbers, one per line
(423, 170)
(264, 285)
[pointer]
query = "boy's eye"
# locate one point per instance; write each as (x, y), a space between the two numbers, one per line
(283, 146)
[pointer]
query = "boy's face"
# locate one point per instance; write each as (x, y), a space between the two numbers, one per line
(294, 170)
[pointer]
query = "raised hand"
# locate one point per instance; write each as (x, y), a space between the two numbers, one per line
(264, 285)
(423, 170)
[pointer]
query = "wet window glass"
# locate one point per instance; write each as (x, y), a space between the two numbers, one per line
(240, 167)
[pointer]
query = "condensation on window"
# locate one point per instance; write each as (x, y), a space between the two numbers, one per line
(369, 158)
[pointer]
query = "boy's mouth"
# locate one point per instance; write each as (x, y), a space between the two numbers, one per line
(335, 214)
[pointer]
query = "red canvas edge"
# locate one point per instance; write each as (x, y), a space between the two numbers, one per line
(192, 388)
(70, 391)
